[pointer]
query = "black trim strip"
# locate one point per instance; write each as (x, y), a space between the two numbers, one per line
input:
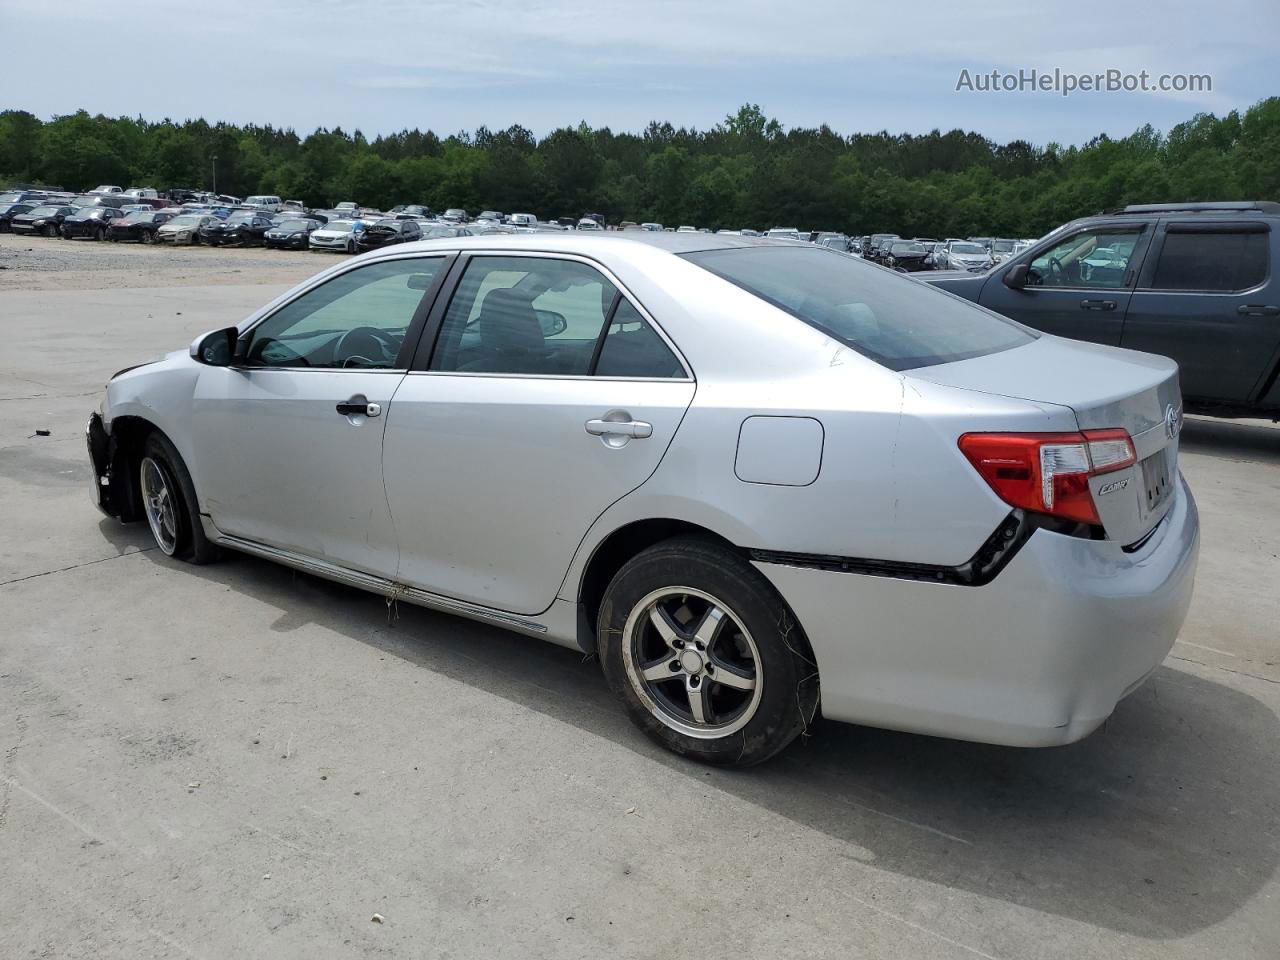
(985, 565)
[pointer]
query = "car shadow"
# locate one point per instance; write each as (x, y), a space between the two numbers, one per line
(1234, 439)
(1160, 824)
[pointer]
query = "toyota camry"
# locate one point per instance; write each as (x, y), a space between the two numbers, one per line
(758, 479)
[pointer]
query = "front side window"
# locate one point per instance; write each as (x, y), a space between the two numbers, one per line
(524, 315)
(898, 322)
(1092, 258)
(358, 319)
(1212, 261)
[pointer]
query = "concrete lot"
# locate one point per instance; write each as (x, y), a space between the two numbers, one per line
(241, 761)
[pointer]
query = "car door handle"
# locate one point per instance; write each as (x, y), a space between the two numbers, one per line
(1097, 304)
(1258, 310)
(635, 429)
(358, 406)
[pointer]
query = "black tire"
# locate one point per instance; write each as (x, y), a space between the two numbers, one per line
(192, 545)
(782, 662)
(50, 230)
(147, 237)
(100, 234)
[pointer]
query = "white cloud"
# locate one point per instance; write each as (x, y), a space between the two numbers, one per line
(391, 63)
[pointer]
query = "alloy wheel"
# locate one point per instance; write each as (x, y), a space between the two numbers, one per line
(159, 505)
(692, 662)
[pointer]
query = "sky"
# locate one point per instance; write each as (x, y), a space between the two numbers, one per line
(448, 65)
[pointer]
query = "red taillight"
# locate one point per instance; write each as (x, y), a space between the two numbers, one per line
(1048, 472)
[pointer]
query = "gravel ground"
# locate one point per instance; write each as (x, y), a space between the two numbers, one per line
(36, 263)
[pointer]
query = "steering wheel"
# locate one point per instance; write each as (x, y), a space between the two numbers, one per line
(364, 343)
(1056, 269)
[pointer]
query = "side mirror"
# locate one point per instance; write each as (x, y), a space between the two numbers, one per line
(215, 349)
(1015, 278)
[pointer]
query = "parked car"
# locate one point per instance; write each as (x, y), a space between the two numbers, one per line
(1197, 282)
(99, 200)
(185, 228)
(586, 223)
(963, 255)
(106, 188)
(337, 235)
(10, 210)
(291, 234)
(686, 228)
(90, 222)
(243, 227)
(141, 193)
(523, 221)
(872, 250)
(443, 231)
(454, 215)
(45, 220)
(490, 216)
(407, 210)
(264, 202)
(21, 196)
(387, 232)
(905, 255)
(140, 225)
(651, 227)
(999, 512)
(1001, 249)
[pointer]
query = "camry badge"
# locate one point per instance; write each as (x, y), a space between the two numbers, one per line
(1172, 422)
(1112, 487)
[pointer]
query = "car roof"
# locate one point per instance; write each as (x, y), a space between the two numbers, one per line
(602, 242)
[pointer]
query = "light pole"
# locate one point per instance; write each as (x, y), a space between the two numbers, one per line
(214, 158)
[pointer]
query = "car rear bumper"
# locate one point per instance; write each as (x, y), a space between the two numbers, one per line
(1037, 657)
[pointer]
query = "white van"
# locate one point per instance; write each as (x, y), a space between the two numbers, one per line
(271, 204)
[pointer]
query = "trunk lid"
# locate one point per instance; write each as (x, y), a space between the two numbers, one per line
(1105, 387)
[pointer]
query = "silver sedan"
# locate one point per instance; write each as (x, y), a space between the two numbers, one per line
(757, 478)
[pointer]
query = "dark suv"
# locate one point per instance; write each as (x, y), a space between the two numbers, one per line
(1193, 281)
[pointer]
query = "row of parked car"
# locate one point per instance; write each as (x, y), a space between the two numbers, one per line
(190, 217)
(971, 254)
(217, 220)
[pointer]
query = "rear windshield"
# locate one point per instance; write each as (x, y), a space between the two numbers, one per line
(897, 321)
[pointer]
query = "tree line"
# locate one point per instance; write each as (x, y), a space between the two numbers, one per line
(747, 171)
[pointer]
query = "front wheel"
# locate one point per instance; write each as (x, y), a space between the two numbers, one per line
(169, 503)
(705, 654)
(50, 230)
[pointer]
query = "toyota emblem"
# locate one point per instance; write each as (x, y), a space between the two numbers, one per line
(1172, 422)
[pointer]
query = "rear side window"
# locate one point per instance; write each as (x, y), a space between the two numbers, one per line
(632, 348)
(899, 322)
(524, 315)
(1212, 261)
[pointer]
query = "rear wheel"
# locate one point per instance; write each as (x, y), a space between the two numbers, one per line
(169, 503)
(705, 655)
(147, 237)
(50, 230)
